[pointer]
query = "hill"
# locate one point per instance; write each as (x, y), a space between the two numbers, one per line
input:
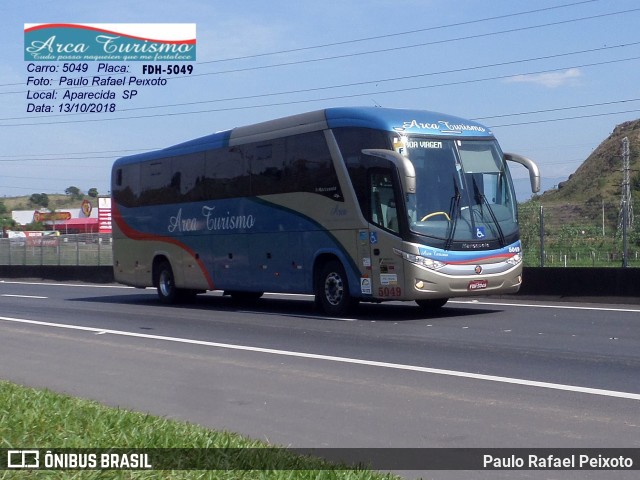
(56, 201)
(582, 216)
(599, 177)
(591, 195)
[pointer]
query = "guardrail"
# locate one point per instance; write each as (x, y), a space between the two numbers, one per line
(581, 282)
(63, 250)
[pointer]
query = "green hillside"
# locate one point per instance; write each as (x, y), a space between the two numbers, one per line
(599, 177)
(582, 216)
(55, 200)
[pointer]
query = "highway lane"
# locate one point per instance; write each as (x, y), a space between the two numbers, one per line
(595, 346)
(532, 374)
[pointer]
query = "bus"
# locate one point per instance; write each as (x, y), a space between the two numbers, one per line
(347, 204)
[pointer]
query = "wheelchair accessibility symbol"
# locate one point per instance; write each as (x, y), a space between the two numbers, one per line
(480, 232)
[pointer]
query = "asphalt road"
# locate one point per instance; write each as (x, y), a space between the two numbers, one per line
(482, 373)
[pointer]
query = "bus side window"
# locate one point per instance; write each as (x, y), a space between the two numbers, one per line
(176, 180)
(383, 204)
(267, 167)
(351, 141)
(309, 167)
(188, 172)
(126, 185)
(226, 174)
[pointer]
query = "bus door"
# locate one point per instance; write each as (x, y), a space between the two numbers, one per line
(384, 265)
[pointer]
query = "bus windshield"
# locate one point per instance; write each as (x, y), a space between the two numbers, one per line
(463, 190)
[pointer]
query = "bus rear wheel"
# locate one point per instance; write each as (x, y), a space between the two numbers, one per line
(332, 290)
(167, 291)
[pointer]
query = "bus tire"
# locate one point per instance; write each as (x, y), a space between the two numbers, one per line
(432, 304)
(167, 291)
(332, 290)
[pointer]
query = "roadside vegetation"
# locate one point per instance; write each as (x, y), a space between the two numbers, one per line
(72, 198)
(582, 216)
(576, 235)
(35, 418)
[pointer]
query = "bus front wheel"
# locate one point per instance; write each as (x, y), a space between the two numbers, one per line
(431, 305)
(332, 290)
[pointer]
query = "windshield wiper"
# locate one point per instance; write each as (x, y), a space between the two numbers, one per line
(453, 215)
(482, 200)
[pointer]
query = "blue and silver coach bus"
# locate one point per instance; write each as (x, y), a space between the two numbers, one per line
(347, 204)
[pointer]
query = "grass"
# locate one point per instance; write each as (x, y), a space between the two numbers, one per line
(33, 418)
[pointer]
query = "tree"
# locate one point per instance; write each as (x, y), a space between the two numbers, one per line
(5, 217)
(41, 199)
(35, 226)
(6, 222)
(93, 192)
(74, 192)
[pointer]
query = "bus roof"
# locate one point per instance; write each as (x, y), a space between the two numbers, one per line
(403, 121)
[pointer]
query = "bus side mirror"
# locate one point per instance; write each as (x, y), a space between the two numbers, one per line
(405, 167)
(534, 171)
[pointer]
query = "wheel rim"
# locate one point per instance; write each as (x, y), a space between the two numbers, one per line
(165, 283)
(334, 289)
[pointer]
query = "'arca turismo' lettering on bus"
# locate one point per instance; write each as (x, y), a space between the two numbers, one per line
(227, 221)
(459, 128)
(210, 221)
(422, 125)
(177, 224)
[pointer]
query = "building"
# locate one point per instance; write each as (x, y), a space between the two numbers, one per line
(85, 219)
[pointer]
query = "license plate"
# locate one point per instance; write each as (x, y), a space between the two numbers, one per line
(477, 284)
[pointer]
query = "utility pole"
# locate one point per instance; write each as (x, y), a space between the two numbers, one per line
(626, 206)
(541, 236)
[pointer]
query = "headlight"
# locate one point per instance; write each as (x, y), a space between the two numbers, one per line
(420, 261)
(515, 260)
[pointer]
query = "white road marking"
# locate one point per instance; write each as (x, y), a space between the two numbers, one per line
(330, 358)
(21, 296)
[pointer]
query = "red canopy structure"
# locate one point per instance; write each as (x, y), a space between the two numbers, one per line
(77, 225)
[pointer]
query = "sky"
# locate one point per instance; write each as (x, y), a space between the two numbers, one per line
(551, 78)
